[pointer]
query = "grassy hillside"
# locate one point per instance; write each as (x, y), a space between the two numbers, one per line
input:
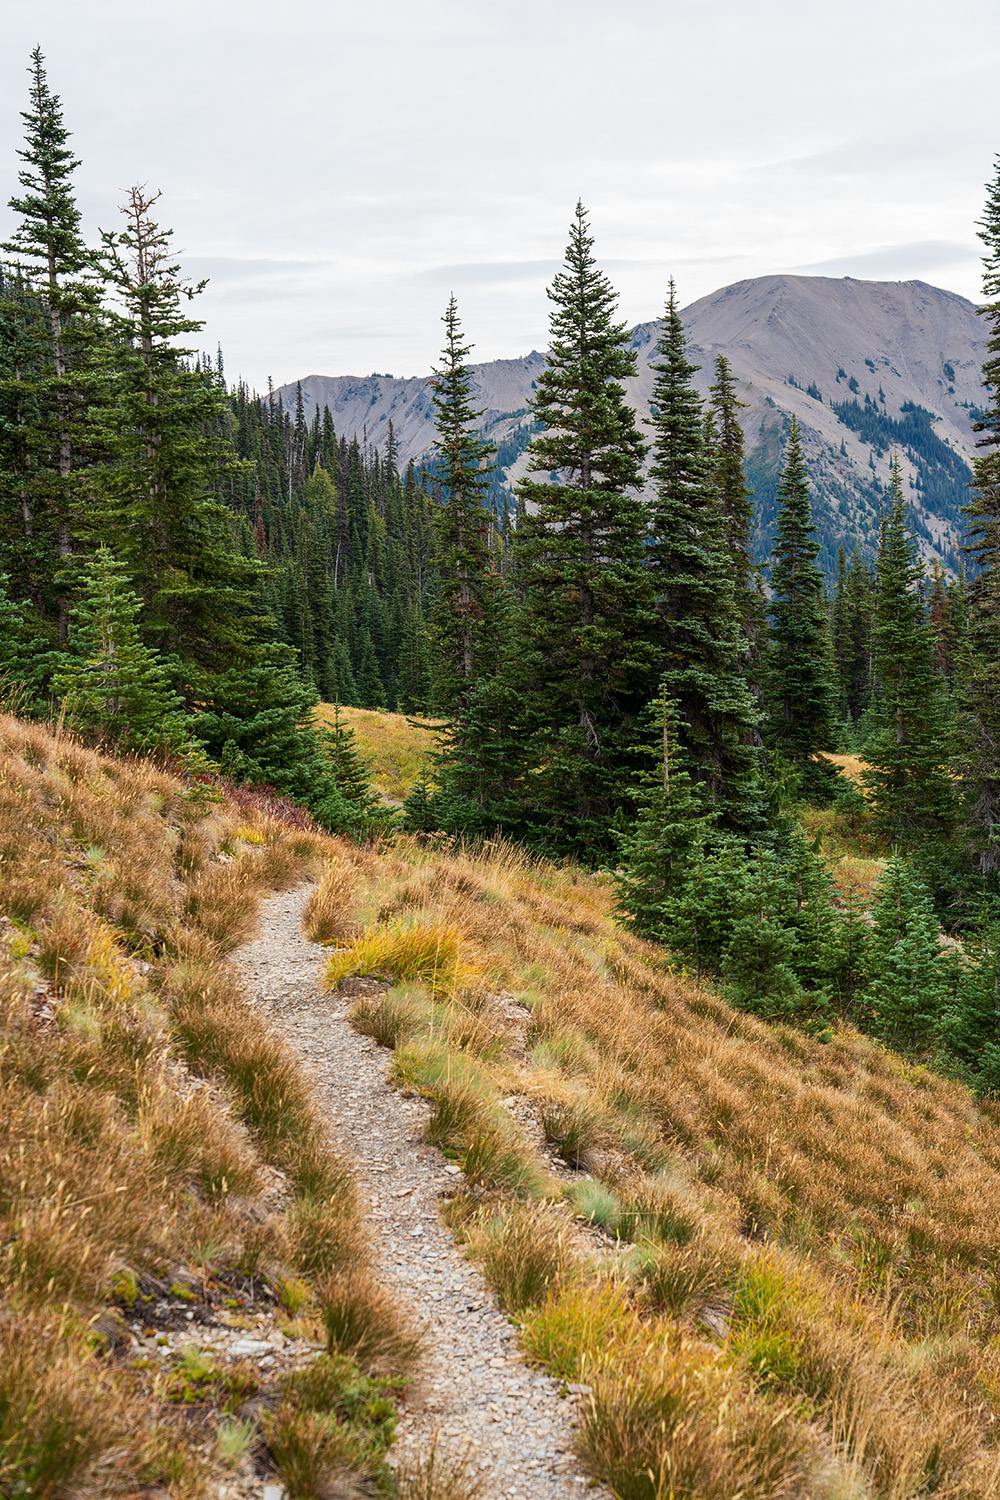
(395, 745)
(164, 1176)
(771, 1263)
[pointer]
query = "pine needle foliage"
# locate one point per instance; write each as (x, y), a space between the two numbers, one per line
(692, 565)
(979, 761)
(906, 774)
(580, 552)
(800, 687)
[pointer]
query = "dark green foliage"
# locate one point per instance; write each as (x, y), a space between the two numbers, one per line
(461, 618)
(162, 425)
(669, 832)
(259, 728)
(979, 722)
(970, 1026)
(698, 560)
(800, 686)
(907, 990)
(589, 662)
(55, 372)
(851, 630)
(110, 683)
(906, 773)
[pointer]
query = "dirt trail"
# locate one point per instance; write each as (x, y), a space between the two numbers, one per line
(474, 1388)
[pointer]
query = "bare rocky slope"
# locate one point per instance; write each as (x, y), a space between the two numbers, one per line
(865, 366)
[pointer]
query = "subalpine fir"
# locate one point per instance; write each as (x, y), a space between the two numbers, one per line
(588, 624)
(699, 566)
(979, 724)
(109, 682)
(52, 455)
(906, 759)
(460, 619)
(800, 673)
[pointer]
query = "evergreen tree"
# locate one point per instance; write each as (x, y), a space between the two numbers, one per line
(370, 687)
(164, 426)
(109, 681)
(906, 771)
(669, 831)
(736, 499)
(580, 546)
(979, 759)
(691, 559)
(906, 992)
(351, 773)
(462, 613)
(800, 687)
(851, 636)
(57, 378)
(970, 1026)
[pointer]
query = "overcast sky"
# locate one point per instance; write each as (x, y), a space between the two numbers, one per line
(337, 169)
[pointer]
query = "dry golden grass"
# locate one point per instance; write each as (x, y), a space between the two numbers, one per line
(140, 1099)
(810, 1308)
(851, 765)
(395, 745)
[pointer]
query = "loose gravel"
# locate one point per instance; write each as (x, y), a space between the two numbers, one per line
(474, 1390)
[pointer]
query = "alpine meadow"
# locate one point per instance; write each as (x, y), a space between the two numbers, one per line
(499, 892)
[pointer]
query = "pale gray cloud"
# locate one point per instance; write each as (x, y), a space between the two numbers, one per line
(894, 262)
(336, 171)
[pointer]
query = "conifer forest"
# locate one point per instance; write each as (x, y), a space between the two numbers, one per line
(187, 568)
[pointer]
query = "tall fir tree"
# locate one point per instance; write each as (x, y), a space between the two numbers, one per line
(851, 636)
(109, 681)
(460, 619)
(58, 378)
(979, 758)
(800, 676)
(588, 620)
(697, 560)
(906, 772)
(164, 427)
(736, 498)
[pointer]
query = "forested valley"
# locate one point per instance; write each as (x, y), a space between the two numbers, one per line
(186, 569)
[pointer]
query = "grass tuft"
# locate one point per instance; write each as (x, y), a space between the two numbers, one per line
(427, 951)
(364, 1321)
(524, 1253)
(328, 913)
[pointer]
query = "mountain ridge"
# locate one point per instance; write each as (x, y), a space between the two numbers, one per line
(907, 355)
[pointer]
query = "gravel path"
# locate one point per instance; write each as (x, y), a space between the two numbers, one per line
(474, 1388)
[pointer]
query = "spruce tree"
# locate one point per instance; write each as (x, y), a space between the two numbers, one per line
(657, 850)
(906, 772)
(979, 759)
(800, 686)
(588, 621)
(58, 379)
(109, 682)
(736, 499)
(906, 992)
(851, 636)
(697, 578)
(461, 616)
(165, 428)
